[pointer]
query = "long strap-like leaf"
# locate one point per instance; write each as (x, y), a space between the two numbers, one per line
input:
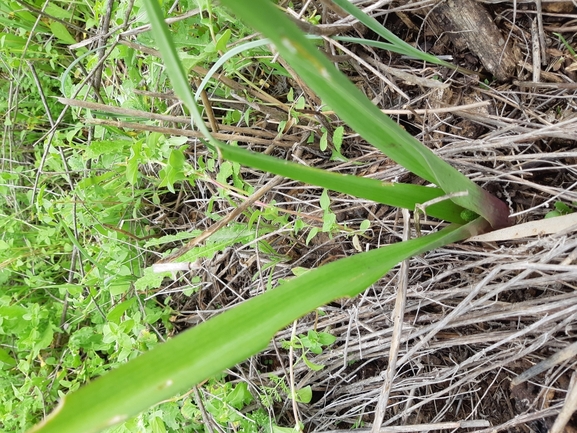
(360, 113)
(207, 349)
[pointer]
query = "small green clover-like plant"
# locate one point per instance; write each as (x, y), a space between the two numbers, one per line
(561, 209)
(312, 342)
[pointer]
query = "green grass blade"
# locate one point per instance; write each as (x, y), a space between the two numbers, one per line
(221, 342)
(398, 45)
(359, 112)
(392, 194)
(341, 94)
(331, 85)
(174, 67)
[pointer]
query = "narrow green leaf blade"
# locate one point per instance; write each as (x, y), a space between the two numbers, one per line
(61, 32)
(359, 112)
(398, 45)
(392, 194)
(221, 342)
(174, 67)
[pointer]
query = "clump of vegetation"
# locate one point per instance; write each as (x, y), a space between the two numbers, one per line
(236, 334)
(103, 237)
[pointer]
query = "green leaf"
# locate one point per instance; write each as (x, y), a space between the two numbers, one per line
(324, 143)
(12, 312)
(45, 339)
(396, 44)
(157, 425)
(325, 201)
(569, 47)
(6, 358)
(313, 232)
(225, 172)
(223, 40)
(298, 271)
(174, 170)
(98, 148)
(300, 104)
(312, 365)
(338, 137)
(240, 396)
(563, 208)
(133, 161)
(232, 336)
(119, 286)
(326, 339)
(150, 280)
(58, 12)
(174, 66)
(61, 32)
(393, 194)
(304, 395)
(560, 209)
(552, 214)
(329, 221)
(116, 313)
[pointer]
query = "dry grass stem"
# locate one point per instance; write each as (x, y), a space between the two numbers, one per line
(398, 318)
